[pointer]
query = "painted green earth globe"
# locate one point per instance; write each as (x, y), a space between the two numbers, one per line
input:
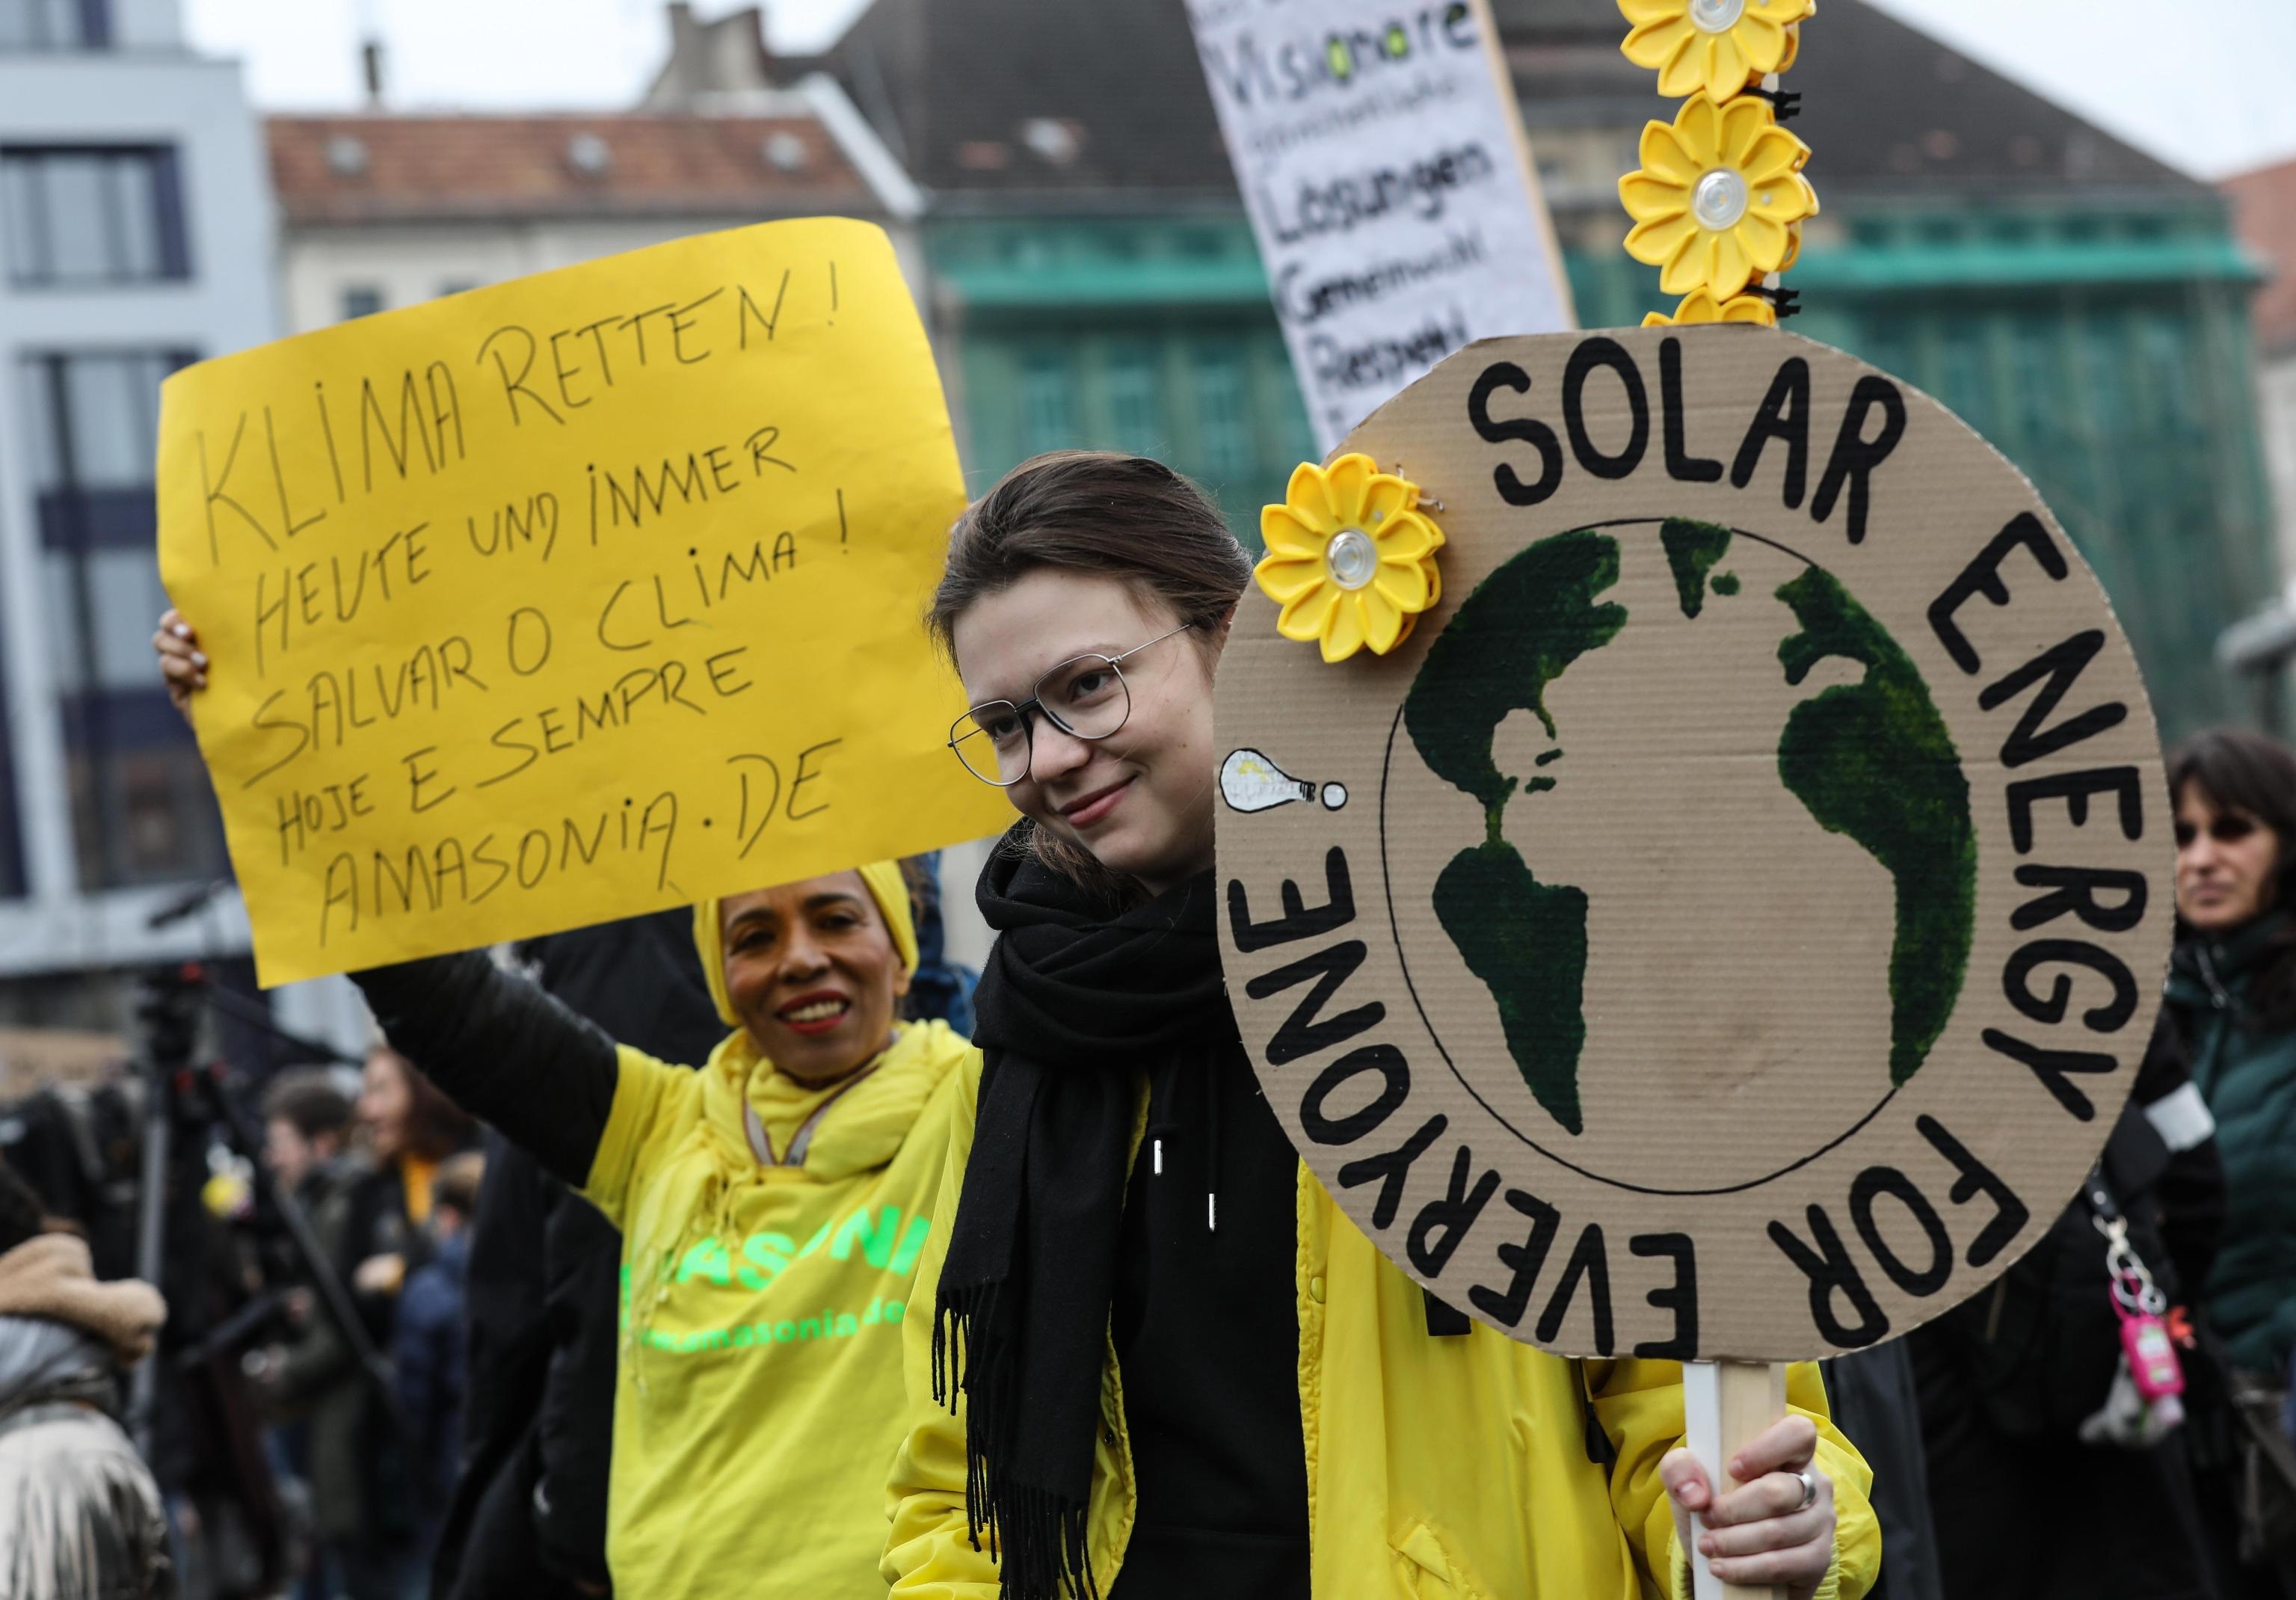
(1752, 722)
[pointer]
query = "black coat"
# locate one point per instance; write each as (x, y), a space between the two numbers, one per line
(1877, 1406)
(528, 1518)
(2023, 1508)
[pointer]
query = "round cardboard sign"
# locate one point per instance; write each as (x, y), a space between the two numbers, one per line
(1729, 924)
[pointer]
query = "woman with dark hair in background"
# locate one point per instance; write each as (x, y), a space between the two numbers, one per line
(410, 1127)
(2232, 989)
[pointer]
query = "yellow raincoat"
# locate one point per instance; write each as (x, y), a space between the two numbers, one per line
(1437, 1469)
(759, 1392)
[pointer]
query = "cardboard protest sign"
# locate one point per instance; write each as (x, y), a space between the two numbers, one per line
(1381, 158)
(571, 598)
(1728, 926)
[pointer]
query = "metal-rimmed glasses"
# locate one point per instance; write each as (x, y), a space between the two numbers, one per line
(1084, 697)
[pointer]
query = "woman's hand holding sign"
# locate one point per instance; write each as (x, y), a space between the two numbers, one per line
(182, 664)
(1776, 1529)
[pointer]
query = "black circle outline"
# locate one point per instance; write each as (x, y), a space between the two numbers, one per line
(1395, 932)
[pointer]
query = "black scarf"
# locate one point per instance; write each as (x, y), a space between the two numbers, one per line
(1077, 1003)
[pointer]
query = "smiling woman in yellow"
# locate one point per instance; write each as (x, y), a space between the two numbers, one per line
(772, 1208)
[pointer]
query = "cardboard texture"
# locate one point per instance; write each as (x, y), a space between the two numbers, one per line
(1382, 159)
(1728, 926)
(578, 596)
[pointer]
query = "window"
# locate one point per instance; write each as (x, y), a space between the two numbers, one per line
(361, 299)
(95, 418)
(92, 216)
(53, 24)
(1048, 408)
(1134, 413)
(1223, 423)
(142, 812)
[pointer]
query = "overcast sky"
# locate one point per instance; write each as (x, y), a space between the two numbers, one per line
(2205, 86)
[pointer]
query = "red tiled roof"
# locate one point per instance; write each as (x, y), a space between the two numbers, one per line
(370, 168)
(2264, 210)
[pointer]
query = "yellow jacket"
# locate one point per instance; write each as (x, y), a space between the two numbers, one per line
(1437, 1469)
(759, 1391)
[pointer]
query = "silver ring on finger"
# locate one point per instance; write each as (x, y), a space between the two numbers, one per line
(1809, 1490)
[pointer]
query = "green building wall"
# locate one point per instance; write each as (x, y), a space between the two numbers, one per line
(2106, 353)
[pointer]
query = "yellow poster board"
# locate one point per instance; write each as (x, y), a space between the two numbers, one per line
(574, 597)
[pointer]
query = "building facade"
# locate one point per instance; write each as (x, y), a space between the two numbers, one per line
(1094, 280)
(135, 236)
(2264, 205)
(380, 212)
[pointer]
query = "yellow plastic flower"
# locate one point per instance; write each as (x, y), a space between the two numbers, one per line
(1351, 557)
(1699, 306)
(1793, 236)
(1717, 195)
(1711, 47)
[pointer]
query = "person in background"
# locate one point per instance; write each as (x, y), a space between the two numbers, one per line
(307, 1122)
(2232, 992)
(409, 1127)
(307, 1126)
(364, 1479)
(2051, 1475)
(80, 1516)
(426, 1346)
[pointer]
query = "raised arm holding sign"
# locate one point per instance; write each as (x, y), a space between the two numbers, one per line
(583, 595)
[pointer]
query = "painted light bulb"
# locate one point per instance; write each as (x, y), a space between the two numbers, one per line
(1250, 781)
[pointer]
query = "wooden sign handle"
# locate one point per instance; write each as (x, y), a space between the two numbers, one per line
(1726, 1404)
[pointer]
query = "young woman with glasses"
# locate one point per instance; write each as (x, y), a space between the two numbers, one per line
(2232, 991)
(1170, 1367)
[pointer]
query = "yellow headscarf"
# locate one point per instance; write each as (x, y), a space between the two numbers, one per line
(887, 887)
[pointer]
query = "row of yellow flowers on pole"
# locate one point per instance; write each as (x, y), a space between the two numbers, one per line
(1719, 200)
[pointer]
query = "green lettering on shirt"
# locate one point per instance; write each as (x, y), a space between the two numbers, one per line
(767, 1254)
(708, 1259)
(876, 1241)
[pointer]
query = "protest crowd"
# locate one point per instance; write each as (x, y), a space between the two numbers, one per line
(680, 1105)
(735, 1237)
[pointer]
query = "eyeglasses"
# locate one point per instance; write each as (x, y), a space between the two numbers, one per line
(2229, 827)
(1084, 697)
